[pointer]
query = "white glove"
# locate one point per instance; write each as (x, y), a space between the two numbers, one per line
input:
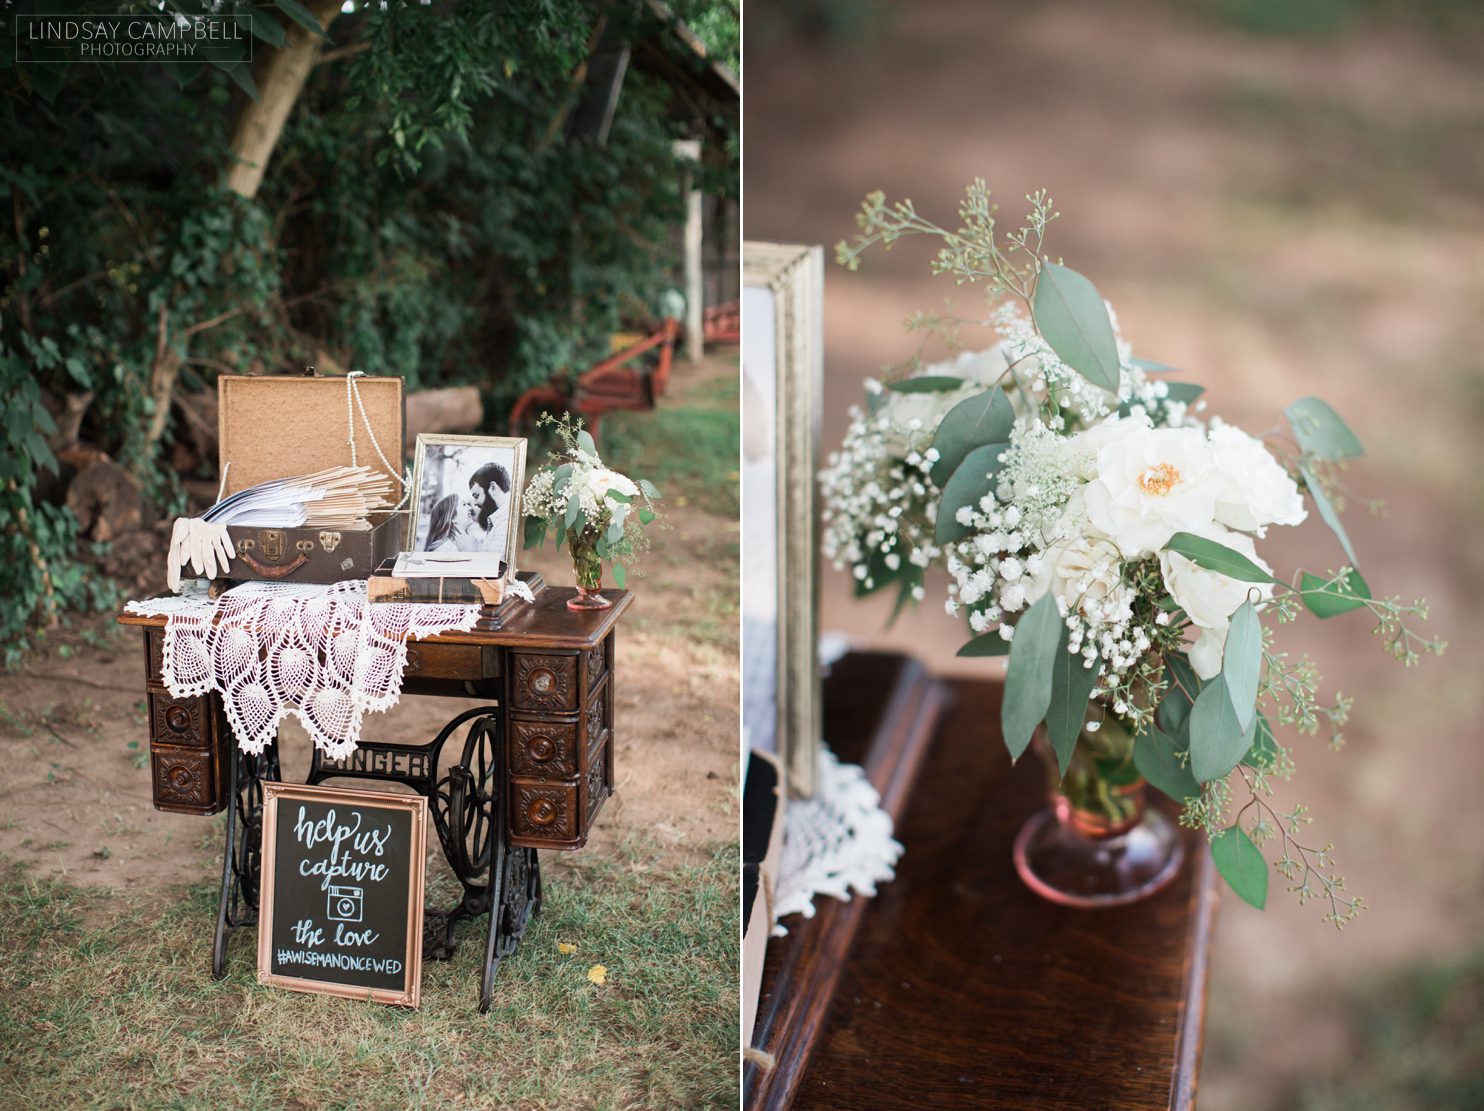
(205, 545)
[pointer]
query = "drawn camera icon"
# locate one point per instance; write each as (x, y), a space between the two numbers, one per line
(344, 904)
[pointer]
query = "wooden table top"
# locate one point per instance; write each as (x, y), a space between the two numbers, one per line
(963, 989)
(546, 623)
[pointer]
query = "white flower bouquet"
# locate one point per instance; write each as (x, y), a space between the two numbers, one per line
(1102, 531)
(598, 513)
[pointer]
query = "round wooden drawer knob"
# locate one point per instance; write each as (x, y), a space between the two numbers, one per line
(178, 718)
(540, 749)
(542, 681)
(542, 812)
(181, 777)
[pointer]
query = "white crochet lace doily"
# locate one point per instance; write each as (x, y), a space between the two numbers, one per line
(321, 653)
(836, 842)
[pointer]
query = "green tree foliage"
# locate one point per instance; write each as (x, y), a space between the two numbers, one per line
(423, 214)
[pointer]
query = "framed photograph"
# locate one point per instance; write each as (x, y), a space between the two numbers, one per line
(341, 910)
(782, 378)
(466, 507)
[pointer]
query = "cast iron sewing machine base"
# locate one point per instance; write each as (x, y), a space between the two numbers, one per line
(468, 811)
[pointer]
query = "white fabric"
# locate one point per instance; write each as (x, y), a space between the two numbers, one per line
(319, 652)
(835, 843)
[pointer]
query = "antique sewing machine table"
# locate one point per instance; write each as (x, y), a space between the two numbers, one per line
(535, 766)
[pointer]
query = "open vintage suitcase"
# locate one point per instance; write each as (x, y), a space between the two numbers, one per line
(280, 426)
(273, 427)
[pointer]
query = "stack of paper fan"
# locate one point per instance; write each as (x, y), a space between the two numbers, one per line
(339, 498)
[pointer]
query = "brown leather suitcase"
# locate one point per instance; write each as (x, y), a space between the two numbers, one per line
(282, 426)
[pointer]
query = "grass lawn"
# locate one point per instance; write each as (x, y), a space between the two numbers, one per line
(125, 1014)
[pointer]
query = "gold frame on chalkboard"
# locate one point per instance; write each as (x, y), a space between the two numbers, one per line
(410, 996)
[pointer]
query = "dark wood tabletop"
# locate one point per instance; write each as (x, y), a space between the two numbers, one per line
(963, 989)
(545, 623)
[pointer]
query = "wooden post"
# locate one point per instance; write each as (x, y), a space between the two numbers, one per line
(695, 291)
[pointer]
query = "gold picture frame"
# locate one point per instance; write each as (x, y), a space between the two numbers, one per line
(782, 380)
(274, 795)
(493, 445)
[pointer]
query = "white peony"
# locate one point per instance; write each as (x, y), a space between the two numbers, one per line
(600, 480)
(1086, 574)
(1151, 484)
(1210, 598)
(1253, 489)
(1083, 448)
(1207, 651)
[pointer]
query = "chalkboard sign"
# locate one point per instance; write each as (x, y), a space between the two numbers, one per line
(342, 892)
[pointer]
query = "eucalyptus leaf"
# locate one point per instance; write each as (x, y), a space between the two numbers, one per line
(983, 419)
(646, 515)
(1218, 557)
(585, 441)
(1327, 511)
(649, 489)
(1184, 688)
(1241, 663)
(1241, 864)
(1039, 635)
(560, 477)
(1330, 597)
(927, 383)
(1157, 755)
(620, 576)
(1217, 740)
(1263, 755)
(1071, 684)
(1149, 366)
(574, 510)
(990, 644)
(535, 532)
(1070, 314)
(1320, 431)
(904, 595)
(976, 476)
(614, 495)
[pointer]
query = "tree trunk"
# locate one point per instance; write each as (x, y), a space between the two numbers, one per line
(280, 77)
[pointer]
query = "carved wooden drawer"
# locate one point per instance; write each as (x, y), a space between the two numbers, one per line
(596, 663)
(543, 749)
(187, 779)
(597, 782)
(154, 658)
(545, 814)
(446, 661)
(180, 721)
(545, 682)
(596, 719)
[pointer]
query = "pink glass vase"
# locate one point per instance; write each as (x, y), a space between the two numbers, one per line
(1098, 843)
(587, 566)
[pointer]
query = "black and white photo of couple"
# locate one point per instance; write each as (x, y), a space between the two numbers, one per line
(468, 502)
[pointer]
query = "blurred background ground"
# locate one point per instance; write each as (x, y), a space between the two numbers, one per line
(1281, 200)
(107, 907)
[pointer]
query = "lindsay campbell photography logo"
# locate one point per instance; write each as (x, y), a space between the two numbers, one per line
(132, 38)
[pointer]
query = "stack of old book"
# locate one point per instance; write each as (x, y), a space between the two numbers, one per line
(435, 578)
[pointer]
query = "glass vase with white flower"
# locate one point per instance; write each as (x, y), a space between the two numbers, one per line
(1101, 531)
(599, 514)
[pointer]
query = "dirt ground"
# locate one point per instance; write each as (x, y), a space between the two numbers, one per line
(75, 789)
(1277, 216)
